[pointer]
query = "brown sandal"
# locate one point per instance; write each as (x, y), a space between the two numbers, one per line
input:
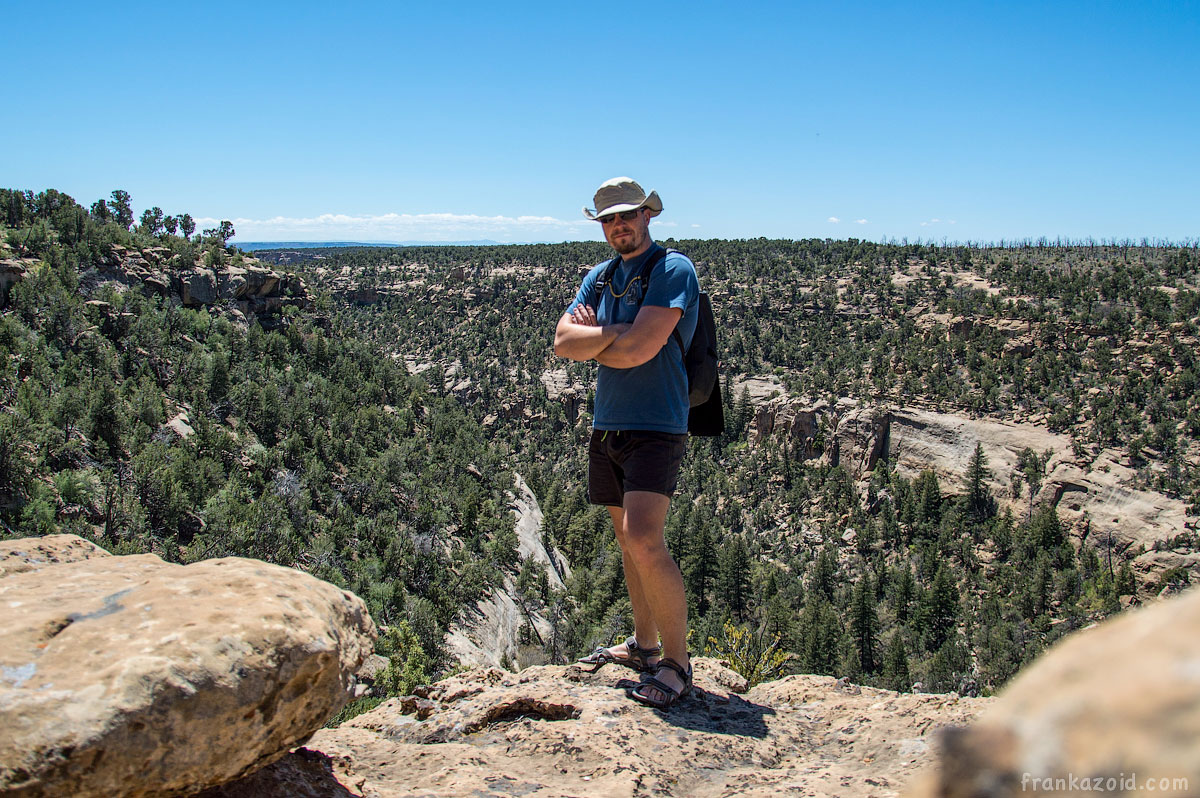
(637, 659)
(673, 696)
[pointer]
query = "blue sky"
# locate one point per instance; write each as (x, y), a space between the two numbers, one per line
(464, 121)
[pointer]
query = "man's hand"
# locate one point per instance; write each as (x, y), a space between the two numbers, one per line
(585, 315)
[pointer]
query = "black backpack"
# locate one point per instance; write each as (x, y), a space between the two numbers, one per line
(706, 415)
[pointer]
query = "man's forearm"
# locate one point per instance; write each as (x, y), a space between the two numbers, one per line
(585, 342)
(618, 354)
(628, 350)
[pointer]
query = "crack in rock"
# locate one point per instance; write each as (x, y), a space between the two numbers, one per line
(523, 708)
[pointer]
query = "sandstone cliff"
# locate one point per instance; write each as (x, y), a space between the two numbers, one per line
(1098, 497)
(244, 285)
(490, 633)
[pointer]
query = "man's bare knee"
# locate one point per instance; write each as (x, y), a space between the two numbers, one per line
(642, 542)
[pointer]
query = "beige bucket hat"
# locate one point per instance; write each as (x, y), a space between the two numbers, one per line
(622, 194)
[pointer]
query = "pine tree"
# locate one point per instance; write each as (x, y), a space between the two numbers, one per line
(1046, 533)
(895, 664)
(904, 592)
(823, 574)
(1126, 585)
(939, 610)
(820, 636)
(1032, 469)
(979, 502)
(700, 567)
(864, 626)
(733, 576)
(121, 209)
(928, 502)
(948, 666)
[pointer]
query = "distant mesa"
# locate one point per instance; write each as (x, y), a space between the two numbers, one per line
(251, 246)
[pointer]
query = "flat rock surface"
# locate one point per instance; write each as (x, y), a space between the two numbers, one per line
(556, 731)
(131, 676)
(33, 554)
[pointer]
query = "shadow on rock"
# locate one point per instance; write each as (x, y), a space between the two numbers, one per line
(300, 774)
(715, 713)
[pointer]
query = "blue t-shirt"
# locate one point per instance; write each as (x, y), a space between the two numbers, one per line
(654, 395)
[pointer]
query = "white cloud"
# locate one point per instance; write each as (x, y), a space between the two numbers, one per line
(409, 227)
(860, 221)
(696, 225)
(937, 221)
(657, 223)
(834, 219)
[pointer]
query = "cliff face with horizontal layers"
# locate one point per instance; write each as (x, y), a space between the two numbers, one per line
(1098, 497)
(240, 284)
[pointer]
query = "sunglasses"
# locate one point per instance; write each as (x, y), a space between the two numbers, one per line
(626, 216)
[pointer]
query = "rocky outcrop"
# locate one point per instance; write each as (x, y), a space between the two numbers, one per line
(571, 394)
(196, 287)
(241, 282)
(132, 676)
(12, 270)
(1113, 709)
(490, 633)
(1116, 705)
(844, 433)
(1100, 499)
(556, 731)
(912, 440)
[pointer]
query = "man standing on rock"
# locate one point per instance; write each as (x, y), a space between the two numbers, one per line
(623, 318)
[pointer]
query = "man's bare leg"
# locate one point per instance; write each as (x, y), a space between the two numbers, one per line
(658, 577)
(644, 627)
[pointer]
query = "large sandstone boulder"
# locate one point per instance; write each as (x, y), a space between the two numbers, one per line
(1117, 702)
(255, 281)
(132, 676)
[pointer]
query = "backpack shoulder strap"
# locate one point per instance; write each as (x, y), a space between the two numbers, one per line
(651, 264)
(603, 280)
(658, 258)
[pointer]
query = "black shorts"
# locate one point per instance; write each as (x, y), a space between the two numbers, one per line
(624, 460)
